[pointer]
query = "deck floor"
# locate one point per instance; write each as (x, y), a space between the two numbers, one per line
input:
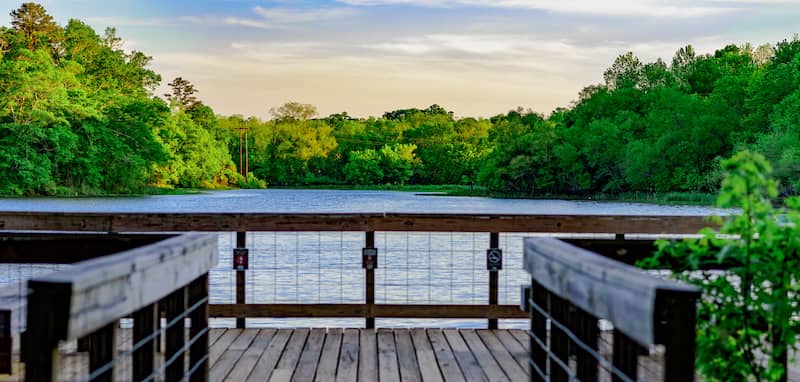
(367, 355)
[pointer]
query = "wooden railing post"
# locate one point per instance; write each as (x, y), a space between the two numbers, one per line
(47, 319)
(198, 290)
(241, 242)
(626, 356)
(369, 266)
(145, 323)
(539, 297)
(494, 273)
(584, 325)
(102, 346)
(176, 335)
(675, 329)
(6, 342)
(559, 342)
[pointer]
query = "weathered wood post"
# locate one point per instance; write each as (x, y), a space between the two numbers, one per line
(494, 263)
(6, 344)
(241, 247)
(369, 261)
(145, 323)
(102, 346)
(198, 294)
(176, 334)
(47, 319)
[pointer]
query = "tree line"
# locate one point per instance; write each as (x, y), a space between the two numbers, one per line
(78, 115)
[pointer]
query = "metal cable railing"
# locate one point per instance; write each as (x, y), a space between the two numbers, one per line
(573, 292)
(74, 316)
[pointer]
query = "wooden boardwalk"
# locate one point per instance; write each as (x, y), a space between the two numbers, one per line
(368, 355)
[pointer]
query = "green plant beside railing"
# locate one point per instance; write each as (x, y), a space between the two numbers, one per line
(749, 272)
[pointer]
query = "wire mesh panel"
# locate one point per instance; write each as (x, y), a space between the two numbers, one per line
(304, 268)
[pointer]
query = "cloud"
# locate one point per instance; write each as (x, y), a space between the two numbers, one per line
(128, 21)
(660, 8)
(269, 18)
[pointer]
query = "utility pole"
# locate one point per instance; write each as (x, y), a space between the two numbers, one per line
(244, 153)
(246, 156)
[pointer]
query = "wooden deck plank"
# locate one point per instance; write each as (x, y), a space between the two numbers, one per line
(513, 370)
(221, 344)
(426, 358)
(281, 375)
(521, 336)
(326, 370)
(485, 358)
(266, 364)
(291, 354)
(231, 356)
(388, 369)
(347, 370)
(354, 354)
(469, 365)
(250, 358)
(513, 346)
(214, 334)
(445, 357)
(368, 356)
(406, 356)
(309, 358)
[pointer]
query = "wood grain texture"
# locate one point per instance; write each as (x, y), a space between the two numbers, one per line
(426, 358)
(215, 222)
(602, 287)
(363, 310)
(105, 289)
(388, 368)
(445, 357)
(242, 369)
(368, 356)
(347, 370)
(326, 370)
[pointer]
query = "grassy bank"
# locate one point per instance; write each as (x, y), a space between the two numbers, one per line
(666, 198)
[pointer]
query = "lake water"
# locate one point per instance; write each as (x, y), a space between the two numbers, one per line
(325, 267)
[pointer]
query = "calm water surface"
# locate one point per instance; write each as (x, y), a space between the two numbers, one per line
(325, 267)
(338, 201)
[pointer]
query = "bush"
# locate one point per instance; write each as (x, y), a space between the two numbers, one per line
(750, 309)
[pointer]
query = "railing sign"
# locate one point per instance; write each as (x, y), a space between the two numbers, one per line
(240, 259)
(494, 259)
(369, 258)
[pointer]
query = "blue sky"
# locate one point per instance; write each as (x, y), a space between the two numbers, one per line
(476, 57)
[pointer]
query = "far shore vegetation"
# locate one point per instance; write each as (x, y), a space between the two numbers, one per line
(79, 116)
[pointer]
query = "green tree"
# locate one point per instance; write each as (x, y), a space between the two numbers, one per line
(746, 311)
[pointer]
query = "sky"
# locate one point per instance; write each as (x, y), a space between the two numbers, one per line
(475, 57)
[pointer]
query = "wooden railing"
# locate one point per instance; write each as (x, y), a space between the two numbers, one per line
(369, 223)
(87, 301)
(573, 289)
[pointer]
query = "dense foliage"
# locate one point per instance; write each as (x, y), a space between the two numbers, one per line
(750, 277)
(78, 116)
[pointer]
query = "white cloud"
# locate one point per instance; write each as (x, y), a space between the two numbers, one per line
(659, 8)
(127, 21)
(268, 18)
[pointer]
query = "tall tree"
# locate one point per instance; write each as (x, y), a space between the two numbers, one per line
(293, 111)
(36, 26)
(183, 94)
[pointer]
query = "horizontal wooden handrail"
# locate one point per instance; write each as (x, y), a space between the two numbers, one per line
(356, 222)
(365, 310)
(94, 293)
(625, 295)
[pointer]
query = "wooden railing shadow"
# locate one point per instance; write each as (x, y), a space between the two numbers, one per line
(572, 289)
(87, 301)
